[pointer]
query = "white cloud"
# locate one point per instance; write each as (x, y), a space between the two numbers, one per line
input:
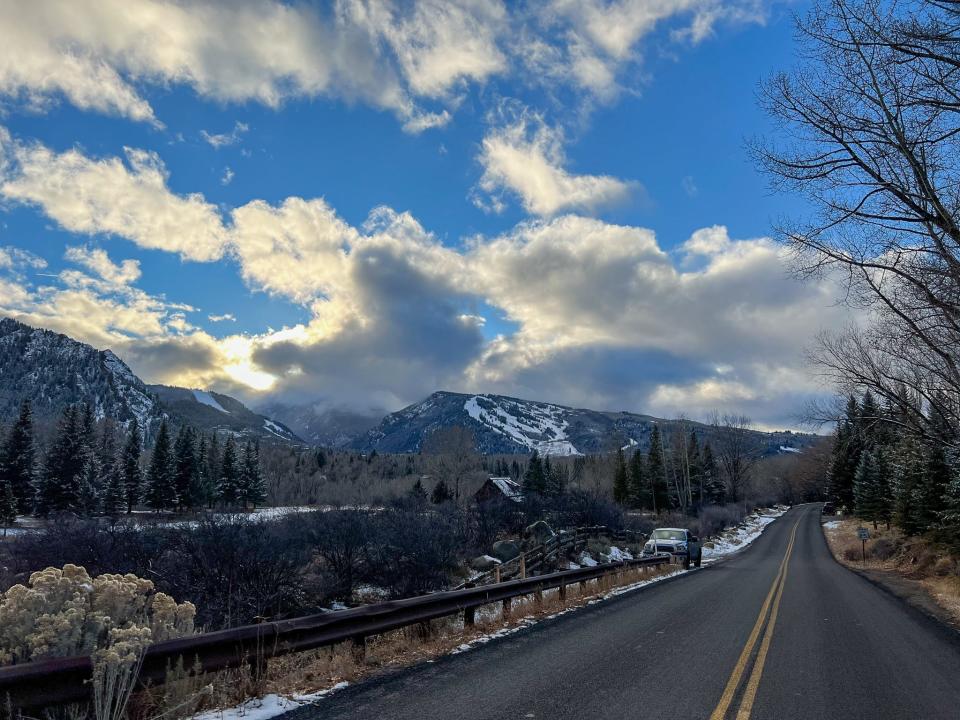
(219, 140)
(226, 317)
(527, 158)
(228, 176)
(604, 317)
(129, 199)
(393, 56)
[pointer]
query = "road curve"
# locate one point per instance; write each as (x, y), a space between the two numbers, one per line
(779, 631)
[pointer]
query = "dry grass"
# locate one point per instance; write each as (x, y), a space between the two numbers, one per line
(317, 670)
(913, 559)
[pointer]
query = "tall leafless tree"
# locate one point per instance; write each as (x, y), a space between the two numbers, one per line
(456, 451)
(870, 135)
(735, 448)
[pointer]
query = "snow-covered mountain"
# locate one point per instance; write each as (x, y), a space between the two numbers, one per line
(52, 371)
(506, 425)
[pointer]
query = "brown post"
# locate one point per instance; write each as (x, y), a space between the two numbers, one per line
(563, 594)
(507, 602)
(359, 643)
(470, 613)
(496, 574)
(523, 566)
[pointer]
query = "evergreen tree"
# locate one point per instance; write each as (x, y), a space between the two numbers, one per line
(866, 488)
(556, 478)
(91, 490)
(695, 469)
(714, 489)
(18, 459)
(186, 468)
(884, 497)
(656, 470)
(228, 488)
(534, 480)
(621, 483)
(214, 462)
(205, 493)
(639, 487)
(418, 492)
(8, 505)
(161, 488)
(129, 470)
(114, 491)
(847, 446)
(929, 494)
(950, 516)
(907, 478)
(253, 488)
(59, 485)
(441, 493)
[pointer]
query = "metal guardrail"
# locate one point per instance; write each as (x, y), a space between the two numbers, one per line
(64, 680)
(534, 557)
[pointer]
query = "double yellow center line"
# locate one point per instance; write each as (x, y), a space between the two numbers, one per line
(750, 693)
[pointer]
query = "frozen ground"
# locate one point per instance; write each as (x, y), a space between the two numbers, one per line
(269, 706)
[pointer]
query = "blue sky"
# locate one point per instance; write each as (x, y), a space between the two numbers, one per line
(354, 204)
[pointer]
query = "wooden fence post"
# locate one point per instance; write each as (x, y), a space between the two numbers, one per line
(496, 574)
(523, 567)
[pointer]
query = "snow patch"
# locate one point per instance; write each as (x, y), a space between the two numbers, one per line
(538, 426)
(736, 538)
(269, 706)
(205, 398)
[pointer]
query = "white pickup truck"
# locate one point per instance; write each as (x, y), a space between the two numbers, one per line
(676, 541)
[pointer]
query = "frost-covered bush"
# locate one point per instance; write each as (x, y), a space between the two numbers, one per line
(66, 612)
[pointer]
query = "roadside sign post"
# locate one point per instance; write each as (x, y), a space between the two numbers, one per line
(864, 535)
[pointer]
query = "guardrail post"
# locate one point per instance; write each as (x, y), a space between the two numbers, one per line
(470, 613)
(359, 647)
(563, 594)
(507, 611)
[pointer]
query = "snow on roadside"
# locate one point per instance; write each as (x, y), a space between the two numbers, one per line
(736, 538)
(832, 524)
(269, 706)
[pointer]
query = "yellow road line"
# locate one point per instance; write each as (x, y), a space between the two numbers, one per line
(750, 694)
(733, 683)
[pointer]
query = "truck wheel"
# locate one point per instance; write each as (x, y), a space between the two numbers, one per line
(686, 561)
(699, 558)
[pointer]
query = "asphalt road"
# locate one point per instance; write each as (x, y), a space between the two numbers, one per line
(778, 631)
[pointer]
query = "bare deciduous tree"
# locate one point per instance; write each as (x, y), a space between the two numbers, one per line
(735, 449)
(871, 137)
(456, 451)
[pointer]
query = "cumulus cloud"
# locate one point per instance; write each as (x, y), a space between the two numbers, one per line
(603, 316)
(394, 56)
(527, 158)
(125, 198)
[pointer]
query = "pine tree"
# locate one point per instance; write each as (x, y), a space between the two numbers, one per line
(866, 488)
(253, 488)
(929, 494)
(847, 446)
(907, 475)
(129, 468)
(161, 488)
(621, 483)
(534, 480)
(114, 492)
(186, 468)
(949, 529)
(8, 505)
(639, 487)
(91, 490)
(59, 485)
(214, 463)
(556, 478)
(656, 470)
(228, 488)
(18, 460)
(441, 493)
(418, 492)
(714, 489)
(206, 489)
